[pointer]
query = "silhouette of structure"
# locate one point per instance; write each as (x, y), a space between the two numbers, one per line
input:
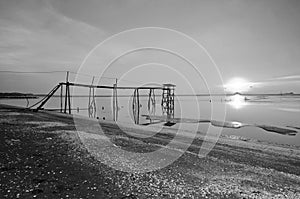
(167, 101)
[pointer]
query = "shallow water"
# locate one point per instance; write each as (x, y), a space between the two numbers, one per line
(281, 111)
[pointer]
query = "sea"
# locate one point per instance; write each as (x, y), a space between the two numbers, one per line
(273, 110)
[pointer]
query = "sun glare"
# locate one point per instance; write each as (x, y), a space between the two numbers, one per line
(237, 101)
(237, 85)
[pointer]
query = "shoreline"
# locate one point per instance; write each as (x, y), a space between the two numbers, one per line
(34, 144)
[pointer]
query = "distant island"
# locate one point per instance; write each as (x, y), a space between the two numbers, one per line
(16, 95)
(290, 93)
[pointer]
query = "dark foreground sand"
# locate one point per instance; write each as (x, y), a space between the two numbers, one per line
(43, 157)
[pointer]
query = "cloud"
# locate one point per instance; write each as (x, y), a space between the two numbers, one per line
(37, 36)
(288, 77)
(286, 83)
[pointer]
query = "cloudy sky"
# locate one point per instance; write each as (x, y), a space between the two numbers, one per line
(257, 41)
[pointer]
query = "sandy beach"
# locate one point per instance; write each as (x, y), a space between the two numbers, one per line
(42, 156)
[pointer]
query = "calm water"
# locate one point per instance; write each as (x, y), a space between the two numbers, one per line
(268, 110)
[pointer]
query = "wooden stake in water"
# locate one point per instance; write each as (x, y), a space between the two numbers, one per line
(115, 101)
(67, 95)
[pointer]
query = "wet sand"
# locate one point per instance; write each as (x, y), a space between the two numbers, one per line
(42, 156)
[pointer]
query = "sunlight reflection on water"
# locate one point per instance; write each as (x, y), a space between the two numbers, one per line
(237, 101)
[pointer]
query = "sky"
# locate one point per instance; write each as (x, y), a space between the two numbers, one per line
(256, 41)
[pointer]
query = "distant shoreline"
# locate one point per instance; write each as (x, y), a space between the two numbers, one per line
(35, 96)
(16, 95)
(186, 95)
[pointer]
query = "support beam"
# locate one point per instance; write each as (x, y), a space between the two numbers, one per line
(115, 101)
(167, 101)
(69, 99)
(66, 94)
(112, 87)
(61, 98)
(151, 103)
(48, 97)
(136, 106)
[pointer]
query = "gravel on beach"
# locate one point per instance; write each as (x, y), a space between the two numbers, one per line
(42, 156)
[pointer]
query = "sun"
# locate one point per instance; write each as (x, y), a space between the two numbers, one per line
(237, 84)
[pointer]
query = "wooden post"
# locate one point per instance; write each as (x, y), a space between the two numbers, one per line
(89, 104)
(61, 95)
(69, 98)
(167, 101)
(27, 101)
(48, 97)
(138, 106)
(151, 103)
(116, 100)
(94, 102)
(66, 95)
(113, 98)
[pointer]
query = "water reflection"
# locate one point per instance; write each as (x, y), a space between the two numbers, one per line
(237, 101)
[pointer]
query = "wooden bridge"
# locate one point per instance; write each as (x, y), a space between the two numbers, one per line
(167, 102)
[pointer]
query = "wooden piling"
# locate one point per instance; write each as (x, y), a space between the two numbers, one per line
(66, 94)
(61, 98)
